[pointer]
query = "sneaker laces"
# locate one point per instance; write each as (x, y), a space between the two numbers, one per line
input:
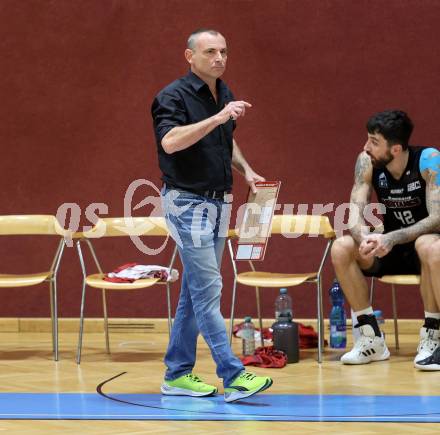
(363, 342)
(248, 376)
(193, 378)
(428, 342)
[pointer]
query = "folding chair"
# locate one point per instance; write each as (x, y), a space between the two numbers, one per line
(41, 225)
(395, 280)
(288, 225)
(118, 227)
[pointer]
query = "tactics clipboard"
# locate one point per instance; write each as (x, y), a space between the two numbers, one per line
(255, 227)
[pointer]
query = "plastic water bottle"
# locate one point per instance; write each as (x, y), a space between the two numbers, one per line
(283, 306)
(379, 317)
(248, 337)
(380, 320)
(338, 319)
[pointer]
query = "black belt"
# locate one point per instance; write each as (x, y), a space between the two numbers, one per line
(211, 194)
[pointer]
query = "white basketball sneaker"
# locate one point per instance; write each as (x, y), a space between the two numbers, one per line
(429, 340)
(367, 348)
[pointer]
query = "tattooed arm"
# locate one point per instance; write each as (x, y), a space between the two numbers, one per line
(430, 224)
(360, 195)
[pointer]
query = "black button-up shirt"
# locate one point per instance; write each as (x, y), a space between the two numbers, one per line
(206, 165)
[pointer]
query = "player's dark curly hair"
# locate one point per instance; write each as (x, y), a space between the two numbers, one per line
(394, 125)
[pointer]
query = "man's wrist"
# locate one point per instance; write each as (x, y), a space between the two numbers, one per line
(246, 168)
(395, 237)
(216, 120)
(357, 235)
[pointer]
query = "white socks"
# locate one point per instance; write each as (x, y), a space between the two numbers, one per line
(367, 311)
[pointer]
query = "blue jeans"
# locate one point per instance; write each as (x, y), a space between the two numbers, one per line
(195, 224)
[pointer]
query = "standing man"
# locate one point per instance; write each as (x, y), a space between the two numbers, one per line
(406, 180)
(194, 119)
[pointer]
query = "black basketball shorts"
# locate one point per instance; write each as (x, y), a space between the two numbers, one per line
(402, 260)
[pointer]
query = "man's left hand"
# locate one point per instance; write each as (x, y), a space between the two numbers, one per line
(384, 243)
(251, 178)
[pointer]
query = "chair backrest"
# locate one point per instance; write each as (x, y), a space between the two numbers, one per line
(128, 226)
(312, 225)
(30, 225)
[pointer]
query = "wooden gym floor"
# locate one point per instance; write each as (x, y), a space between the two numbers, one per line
(26, 366)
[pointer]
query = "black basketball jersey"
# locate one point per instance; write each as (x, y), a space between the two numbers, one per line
(404, 199)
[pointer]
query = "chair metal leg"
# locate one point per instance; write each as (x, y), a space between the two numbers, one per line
(396, 328)
(83, 298)
(231, 326)
(234, 288)
(104, 308)
(81, 324)
(320, 320)
(54, 297)
(104, 297)
(170, 322)
(57, 258)
(371, 290)
(55, 320)
(257, 296)
(319, 302)
(52, 318)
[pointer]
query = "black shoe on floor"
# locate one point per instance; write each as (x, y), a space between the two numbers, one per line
(431, 363)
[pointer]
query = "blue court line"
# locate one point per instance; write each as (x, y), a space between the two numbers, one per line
(263, 407)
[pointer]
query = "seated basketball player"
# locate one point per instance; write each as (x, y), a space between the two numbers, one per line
(406, 180)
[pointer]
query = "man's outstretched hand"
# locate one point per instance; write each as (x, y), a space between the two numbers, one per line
(232, 110)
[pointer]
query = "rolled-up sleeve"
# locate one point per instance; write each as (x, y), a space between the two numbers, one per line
(168, 111)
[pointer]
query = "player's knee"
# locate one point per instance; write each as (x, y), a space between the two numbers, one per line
(423, 247)
(342, 250)
(434, 255)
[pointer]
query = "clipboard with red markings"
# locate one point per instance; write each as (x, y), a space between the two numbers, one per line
(254, 231)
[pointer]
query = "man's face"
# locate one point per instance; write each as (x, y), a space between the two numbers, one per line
(379, 150)
(208, 58)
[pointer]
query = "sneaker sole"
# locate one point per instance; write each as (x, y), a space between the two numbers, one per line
(429, 368)
(234, 397)
(167, 390)
(354, 363)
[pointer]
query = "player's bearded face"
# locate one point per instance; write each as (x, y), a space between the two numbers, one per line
(378, 149)
(382, 161)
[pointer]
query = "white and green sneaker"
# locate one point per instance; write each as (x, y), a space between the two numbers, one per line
(187, 385)
(245, 385)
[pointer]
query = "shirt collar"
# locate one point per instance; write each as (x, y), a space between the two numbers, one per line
(197, 83)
